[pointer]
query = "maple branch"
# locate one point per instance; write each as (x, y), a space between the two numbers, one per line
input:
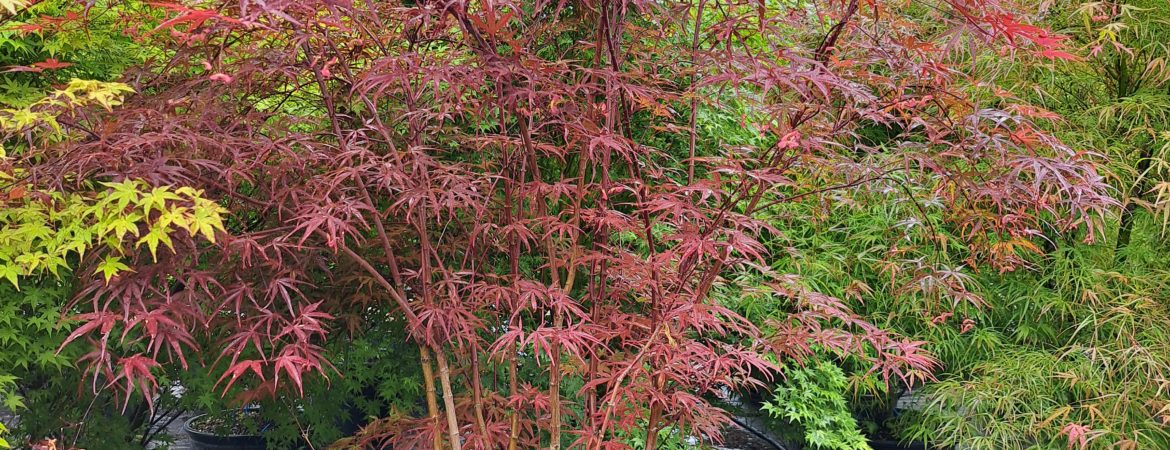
(694, 93)
(851, 184)
(636, 362)
(830, 40)
(403, 304)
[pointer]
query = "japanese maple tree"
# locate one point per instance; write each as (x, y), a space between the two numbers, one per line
(531, 184)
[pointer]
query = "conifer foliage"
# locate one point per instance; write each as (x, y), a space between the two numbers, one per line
(532, 187)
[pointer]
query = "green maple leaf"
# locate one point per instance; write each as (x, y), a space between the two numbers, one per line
(153, 238)
(10, 273)
(207, 218)
(157, 199)
(113, 266)
(122, 195)
(122, 225)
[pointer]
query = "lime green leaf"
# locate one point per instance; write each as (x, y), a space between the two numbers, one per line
(157, 199)
(123, 224)
(112, 266)
(10, 273)
(208, 217)
(123, 195)
(152, 239)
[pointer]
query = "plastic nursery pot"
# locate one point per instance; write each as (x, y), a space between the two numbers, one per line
(881, 444)
(203, 440)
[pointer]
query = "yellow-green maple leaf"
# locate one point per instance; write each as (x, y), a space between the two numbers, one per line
(112, 266)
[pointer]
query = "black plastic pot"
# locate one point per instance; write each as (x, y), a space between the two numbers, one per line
(881, 444)
(208, 441)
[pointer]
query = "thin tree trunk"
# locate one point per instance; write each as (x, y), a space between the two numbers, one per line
(598, 293)
(448, 400)
(514, 273)
(477, 392)
(554, 385)
(554, 375)
(554, 390)
(440, 357)
(432, 401)
(694, 93)
(652, 427)
(513, 386)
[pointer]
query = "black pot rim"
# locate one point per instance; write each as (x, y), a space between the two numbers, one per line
(908, 445)
(188, 429)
